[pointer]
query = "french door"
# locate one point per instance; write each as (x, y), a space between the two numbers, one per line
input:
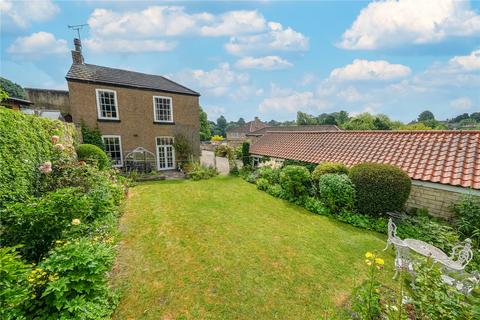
(165, 153)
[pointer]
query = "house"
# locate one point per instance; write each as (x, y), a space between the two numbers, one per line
(238, 135)
(255, 135)
(133, 110)
(443, 165)
(17, 104)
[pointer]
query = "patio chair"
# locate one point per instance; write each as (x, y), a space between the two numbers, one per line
(461, 256)
(392, 235)
(465, 284)
(402, 257)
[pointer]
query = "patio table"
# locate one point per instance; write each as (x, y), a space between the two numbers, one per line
(427, 250)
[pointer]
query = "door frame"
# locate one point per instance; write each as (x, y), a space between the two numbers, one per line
(158, 153)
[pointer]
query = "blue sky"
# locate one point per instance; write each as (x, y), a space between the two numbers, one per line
(267, 58)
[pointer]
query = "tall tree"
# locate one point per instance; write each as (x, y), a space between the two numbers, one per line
(205, 132)
(364, 121)
(341, 117)
(13, 89)
(222, 126)
(425, 116)
(305, 119)
(241, 122)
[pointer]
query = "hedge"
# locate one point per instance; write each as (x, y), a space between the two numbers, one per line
(328, 167)
(380, 188)
(25, 143)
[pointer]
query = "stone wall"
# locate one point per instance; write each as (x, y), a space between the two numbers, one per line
(436, 198)
(49, 99)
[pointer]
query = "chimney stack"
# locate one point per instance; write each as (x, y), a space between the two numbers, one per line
(77, 56)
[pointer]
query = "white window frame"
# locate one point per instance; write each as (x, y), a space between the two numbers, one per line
(99, 110)
(121, 148)
(157, 153)
(155, 109)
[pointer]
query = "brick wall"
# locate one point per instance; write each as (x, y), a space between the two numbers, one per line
(436, 198)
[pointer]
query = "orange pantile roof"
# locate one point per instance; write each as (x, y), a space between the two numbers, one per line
(447, 157)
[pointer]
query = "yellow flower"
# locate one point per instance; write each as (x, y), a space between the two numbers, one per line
(75, 222)
(368, 255)
(379, 261)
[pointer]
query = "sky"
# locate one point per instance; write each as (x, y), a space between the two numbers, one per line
(266, 58)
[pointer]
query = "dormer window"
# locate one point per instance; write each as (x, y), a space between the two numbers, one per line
(107, 105)
(162, 109)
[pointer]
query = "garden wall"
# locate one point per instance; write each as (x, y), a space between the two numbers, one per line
(435, 197)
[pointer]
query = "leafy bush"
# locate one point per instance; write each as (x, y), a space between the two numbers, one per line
(38, 222)
(93, 155)
(78, 288)
(225, 151)
(15, 292)
(336, 191)
(246, 154)
(92, 136)
(310, 166)
(380, 188)
(378, 224)
(200, 172)
(183, 148)
(262, 184)
(275, 190)
(433, 299)
(467, 214)
(270, 174)
(328, 167)
(25, 143)
(295, 180)
(314, 205)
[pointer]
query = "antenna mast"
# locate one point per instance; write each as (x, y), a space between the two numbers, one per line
(77, 28)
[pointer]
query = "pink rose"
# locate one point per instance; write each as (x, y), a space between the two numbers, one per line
(59, 146)
(46, 167)
(55, 139)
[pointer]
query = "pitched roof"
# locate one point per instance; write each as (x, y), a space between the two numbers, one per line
(447, 157)
(249, 127)
(125, 78)
(322, 127)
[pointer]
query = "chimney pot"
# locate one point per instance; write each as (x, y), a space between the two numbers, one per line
(77, 56)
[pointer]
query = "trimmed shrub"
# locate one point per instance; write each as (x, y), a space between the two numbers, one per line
(310, 166)
(25, 144)
(328, 167)
(246, 154)
(93, 155)
(295, 180)
(380, 188)
(262, 184)
(270, 174)
(337, 191)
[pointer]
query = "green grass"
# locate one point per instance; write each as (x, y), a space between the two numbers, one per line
(220, 249)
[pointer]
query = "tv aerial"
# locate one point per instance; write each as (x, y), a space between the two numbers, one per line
(77, 28)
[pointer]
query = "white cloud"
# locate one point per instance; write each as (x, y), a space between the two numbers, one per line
(22, 13)
(290, 101)
(370, 70)
(462, 103)
(235, 22)
(214, 112)
(130, 45)
(38, 43)
(277, 38)
(151, 22)
(469, 63)
(263, 63)
(220, 81)
(390, 23)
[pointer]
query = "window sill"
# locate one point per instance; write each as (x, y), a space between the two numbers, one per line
(164, 122)
(108, 120)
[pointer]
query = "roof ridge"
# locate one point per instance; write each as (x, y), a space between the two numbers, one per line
(380, 131)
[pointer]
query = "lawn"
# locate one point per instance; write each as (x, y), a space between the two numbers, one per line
(220, 249)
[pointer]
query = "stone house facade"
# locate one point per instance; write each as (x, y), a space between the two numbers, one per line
(133, 110)
(236, 136)
(443, 165)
